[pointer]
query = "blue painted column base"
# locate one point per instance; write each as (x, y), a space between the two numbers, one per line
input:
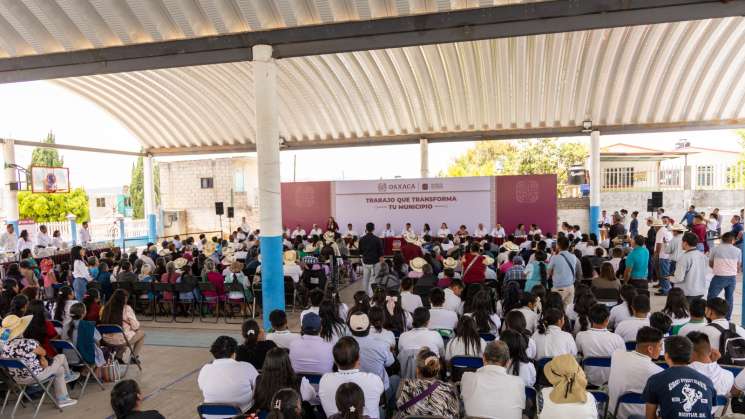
(74, 233)
(272, 276)
(122, 235)
(595, 220)
(152, 228)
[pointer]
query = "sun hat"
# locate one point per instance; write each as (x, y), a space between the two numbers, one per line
(679, 227)
(568, 379)
(309, 248)
(311, 323)
(417, 264)
(14, 326)
(329, 236)
(180, 263)
(488, 260)
(511, 247)
(227, 260)
(449, 263)
(132, 250)
(236, 266)
(289, 257)
(657, 223)
(359, 322)
(164, 252)
(410, 237)
(208, 249)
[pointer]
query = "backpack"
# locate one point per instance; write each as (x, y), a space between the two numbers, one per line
(731, 345)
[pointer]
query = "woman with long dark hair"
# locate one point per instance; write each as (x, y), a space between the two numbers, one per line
(622, 311)
(65, 299)
(361, 302)
(582, 312)
(466, 341)
(520, 364)
(487, 321)
(286, 404)
(80, 273)
(40, 329)
(277, 373)
(377, 326)
(118, 312)
(255, 346)
(515, 321)
(550, 340)
(350, 400)
(332, 294)
(396, 318)
(607, 277)
(676, 307)
(332, 326)
(536, 272)
(511, 295)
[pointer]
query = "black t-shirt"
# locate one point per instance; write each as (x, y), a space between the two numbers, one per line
(255, 355)
(371, 249)
(681, 392)
(616, 230)
(147, 414)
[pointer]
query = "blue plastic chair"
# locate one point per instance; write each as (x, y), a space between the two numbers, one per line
(628, 398)
(312, 377)
(20, 388)
(602, 399)
(488, 337)
(734, 369)
(112, 329)
(630, 346)
(461, 364)
(224, 410)
(61, 346)
(603, 362)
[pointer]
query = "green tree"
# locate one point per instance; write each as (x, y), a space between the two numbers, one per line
(48, 157)
(736, 173)
(522, 157)
(137, 187)
(42, 207)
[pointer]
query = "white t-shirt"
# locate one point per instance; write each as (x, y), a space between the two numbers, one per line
(531, 318)
(410, 302)
(691, 327)
(629, 372)
(627, 329)
(416, 339)
(723, 380)
(598, 343)
(456, 347)
(452, 302)
(553, 343)
(293, 270)
(228, 381)
(551, 410)
(283, 338)
(618, 314)
(371, 385)
(384, 336)
(443, 232)
(715, 334)
(479, 388)
(442, 318)
(497, 323)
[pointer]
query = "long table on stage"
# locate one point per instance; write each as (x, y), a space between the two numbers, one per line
(391, 244)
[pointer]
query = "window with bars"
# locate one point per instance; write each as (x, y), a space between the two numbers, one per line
(618, 177)
(704, 176)
(207, 182)
(100, 202)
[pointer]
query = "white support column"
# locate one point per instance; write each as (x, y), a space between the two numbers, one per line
(595, 179)
(149, 199)
(424, 157)
(10, 195)
(270, 202)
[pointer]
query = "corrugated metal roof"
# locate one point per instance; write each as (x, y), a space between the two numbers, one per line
(673, 74)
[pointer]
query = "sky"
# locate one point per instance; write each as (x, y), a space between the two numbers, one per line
(29, 110)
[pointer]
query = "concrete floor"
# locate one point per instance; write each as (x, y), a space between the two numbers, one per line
(173, 355)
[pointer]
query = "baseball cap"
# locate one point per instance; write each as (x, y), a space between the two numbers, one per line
(311, 322)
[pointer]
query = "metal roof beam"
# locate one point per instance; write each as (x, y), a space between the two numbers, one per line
(551, 16)
(506, 134)
(73, 147)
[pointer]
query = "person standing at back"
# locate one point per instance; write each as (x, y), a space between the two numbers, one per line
(726, 261)
(637, 264)
(371, 250)
(565, 269)
(690, 270)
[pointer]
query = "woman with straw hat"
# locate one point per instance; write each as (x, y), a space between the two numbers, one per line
(31, 353)
(568, 398)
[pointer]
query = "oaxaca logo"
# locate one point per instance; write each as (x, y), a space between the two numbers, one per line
(526, 192)
(396, 187)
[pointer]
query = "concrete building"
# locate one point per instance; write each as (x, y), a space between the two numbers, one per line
(103, 203)
(189, 190)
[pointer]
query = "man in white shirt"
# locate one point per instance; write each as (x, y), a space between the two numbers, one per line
(443, 231)
(226, 380)
(291, 268)
(498, 231)
(716, 312)
(553, 341)
(630, 370)
(407, 230)
(316, 231)
(84, 234)
(480, 231)
(598, 342)
(452, 297)
(703, 361)
(350, 232)
(9, 239)
(691, 269)
(347, 359)
(42, 238)
(311, 353)
(244, 226)
(409, 300)
(388, 232)
(420, 336)
(440, 317)
(628, 328)
(478, 389)
(280, 335)
(298, 231)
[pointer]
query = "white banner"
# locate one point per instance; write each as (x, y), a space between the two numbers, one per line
(455, 201)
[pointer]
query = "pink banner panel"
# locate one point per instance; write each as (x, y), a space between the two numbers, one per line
(528, 199)
(306, 203)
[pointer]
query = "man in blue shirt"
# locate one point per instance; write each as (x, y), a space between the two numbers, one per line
(737, 229)
(679, 391)
(688, 217)
(564, 269)
(637, 264)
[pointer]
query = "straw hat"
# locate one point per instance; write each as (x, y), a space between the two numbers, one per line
(132, 250)
(64, 246)
(228, 260)
(417, 264)
(236, 266)
(511, 247)
(488, 260)
(410, 237)
(14, 326)
(657, 223)
(449, 263)
(209, 248)
(289, 257)
(568, 379)
(309, 248)
(679, 227)
(164, 252)
(329, 236)
(180, 263)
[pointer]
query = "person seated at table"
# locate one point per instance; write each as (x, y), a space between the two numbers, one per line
(444, 231)
(480, 230)
(388, 231)
(462, 232)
